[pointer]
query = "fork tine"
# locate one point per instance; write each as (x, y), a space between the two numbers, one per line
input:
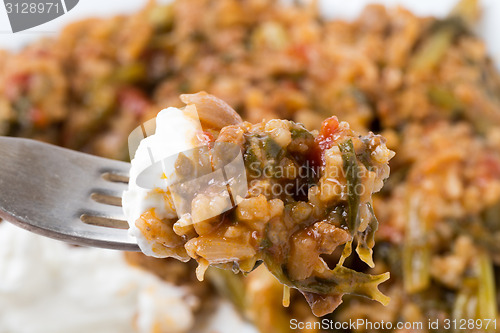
(45, 189)
(111, 190)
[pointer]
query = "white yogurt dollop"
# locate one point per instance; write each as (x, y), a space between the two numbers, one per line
(176, 131)
(47, 286)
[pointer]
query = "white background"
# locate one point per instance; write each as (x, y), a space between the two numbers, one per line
(489, 27)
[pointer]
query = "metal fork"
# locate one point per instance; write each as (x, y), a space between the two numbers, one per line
(64, 194)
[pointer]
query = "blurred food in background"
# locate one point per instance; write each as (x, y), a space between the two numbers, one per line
(426, 84)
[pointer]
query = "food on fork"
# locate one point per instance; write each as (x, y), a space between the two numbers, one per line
(233, 194)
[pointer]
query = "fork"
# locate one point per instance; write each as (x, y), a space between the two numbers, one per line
(64, 194)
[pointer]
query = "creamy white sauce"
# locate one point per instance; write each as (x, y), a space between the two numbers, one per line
(176, 131)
